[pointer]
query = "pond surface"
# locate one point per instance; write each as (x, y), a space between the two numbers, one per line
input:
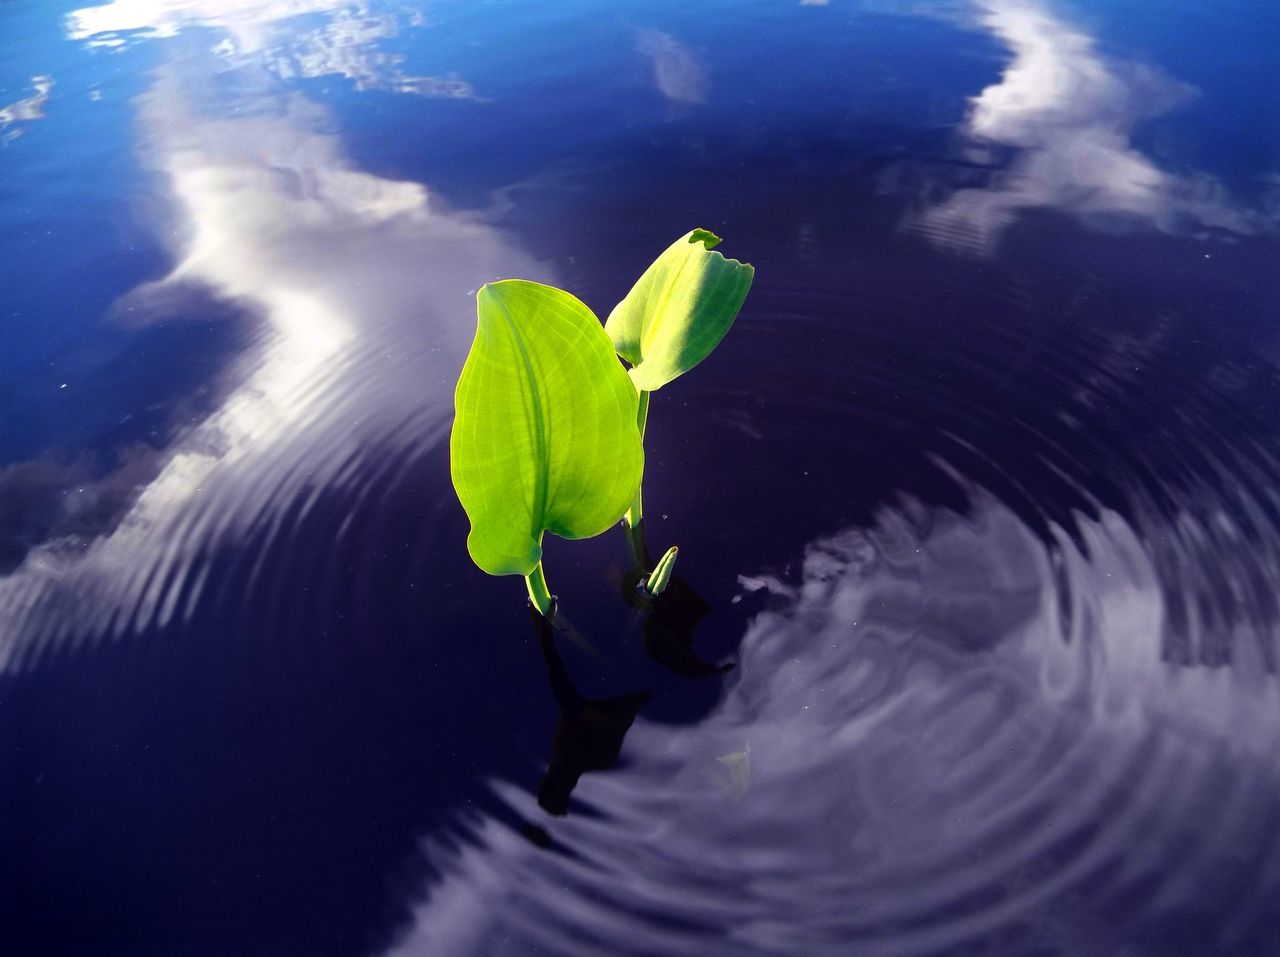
(975, 642)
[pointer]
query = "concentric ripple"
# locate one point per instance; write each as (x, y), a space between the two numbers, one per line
(361, 289)
(1043, 722)
(1001, 531)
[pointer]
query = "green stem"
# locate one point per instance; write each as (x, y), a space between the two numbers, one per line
(642, 412)
(636, 547)
(538, 594)
(635, 514)
(633, 521)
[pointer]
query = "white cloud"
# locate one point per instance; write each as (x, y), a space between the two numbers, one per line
(25, 110)
(676, 71)
(364, 288)
(918, 699)
(269, 33)
(248, 21)
(1070, 113)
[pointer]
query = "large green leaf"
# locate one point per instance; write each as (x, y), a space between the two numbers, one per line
(545, 436)
(679, 310)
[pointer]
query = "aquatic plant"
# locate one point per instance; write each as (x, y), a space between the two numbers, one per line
(549, 426)
(673, 317)
(544, 438)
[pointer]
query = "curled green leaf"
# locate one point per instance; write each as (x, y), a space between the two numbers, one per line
(545, 437)
(661, 573)
(678, 310)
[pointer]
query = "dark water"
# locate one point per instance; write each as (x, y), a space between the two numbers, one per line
(981, 497)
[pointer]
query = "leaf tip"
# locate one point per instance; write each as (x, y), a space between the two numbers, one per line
(661, 575)
(705, 236)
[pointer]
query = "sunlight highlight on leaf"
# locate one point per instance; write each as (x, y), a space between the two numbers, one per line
(679, 310)
(545, 436)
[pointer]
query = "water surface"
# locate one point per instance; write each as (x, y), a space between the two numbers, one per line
(979, 498)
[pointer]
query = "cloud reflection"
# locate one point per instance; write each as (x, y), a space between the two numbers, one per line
(1070, 113)
(268, 33)
(676, 71)
(25, 110)
(363, 286)
(937, 756)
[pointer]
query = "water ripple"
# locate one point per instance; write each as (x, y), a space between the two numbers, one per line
(934, 766)
(1042, 722)
(362, 288)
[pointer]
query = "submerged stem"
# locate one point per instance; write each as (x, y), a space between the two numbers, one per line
(636, 547)
(536, 582)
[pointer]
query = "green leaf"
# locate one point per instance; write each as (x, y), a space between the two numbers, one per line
(661, 573)
(545, 436)
(679, 310)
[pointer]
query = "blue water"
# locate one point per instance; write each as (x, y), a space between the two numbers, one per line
(974, 648)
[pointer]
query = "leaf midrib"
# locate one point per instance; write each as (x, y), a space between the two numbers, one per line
(542, 453)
